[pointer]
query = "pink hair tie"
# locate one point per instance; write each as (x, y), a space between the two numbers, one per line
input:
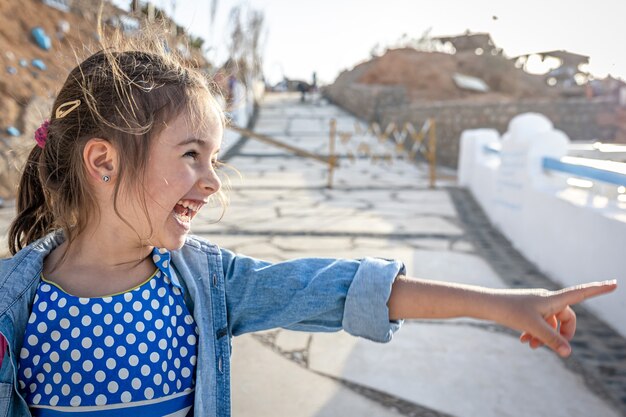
(41, 134)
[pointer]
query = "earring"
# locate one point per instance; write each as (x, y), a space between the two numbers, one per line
(106, 178)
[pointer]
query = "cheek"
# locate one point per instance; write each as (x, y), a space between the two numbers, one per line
(158, 195)
(168, 189)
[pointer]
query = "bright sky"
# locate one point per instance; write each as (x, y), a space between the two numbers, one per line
(328, 36)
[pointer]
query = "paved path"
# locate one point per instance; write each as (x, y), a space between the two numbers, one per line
(280, 209)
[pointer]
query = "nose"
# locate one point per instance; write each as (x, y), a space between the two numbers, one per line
(210, 182)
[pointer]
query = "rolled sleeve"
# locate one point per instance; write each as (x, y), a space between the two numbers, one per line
(366, 313)
(310, 294)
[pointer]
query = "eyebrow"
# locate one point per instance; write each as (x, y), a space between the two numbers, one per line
(200, 142)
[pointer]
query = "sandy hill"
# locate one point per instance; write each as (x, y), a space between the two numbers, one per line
(429, 75)
(26, 92)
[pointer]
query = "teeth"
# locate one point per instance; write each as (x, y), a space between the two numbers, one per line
(190, 205)
(182, 218)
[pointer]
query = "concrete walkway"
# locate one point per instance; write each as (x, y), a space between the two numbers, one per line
(280, 209)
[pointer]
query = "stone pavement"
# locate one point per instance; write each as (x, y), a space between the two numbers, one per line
(281, 209)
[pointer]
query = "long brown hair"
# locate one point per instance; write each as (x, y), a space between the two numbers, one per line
(127, 93)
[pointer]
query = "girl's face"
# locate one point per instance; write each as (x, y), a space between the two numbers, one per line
(180, 178)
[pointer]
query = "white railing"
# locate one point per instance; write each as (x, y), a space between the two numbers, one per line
(565, 214)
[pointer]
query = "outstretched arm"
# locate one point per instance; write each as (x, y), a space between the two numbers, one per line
(543, 317)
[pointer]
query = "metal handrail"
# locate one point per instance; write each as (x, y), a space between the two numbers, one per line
(493, 148)
(596, 169)
(610, 172)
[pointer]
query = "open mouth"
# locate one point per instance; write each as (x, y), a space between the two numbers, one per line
(185, 210)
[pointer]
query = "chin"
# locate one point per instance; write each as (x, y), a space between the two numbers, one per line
(172, 243)
(176, 245)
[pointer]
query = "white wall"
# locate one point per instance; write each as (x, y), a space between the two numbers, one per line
(571, 235)
(243, 101)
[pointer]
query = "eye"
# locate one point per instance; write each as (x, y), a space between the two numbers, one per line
(192, 154)
(216, 163)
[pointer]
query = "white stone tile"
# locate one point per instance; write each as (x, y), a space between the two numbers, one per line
(455, 267)
(375, 243)
(290, 341)
(427, 224)
(320, 245)
(265, 384)
(463, 246)
(430, 244)
(461, 370)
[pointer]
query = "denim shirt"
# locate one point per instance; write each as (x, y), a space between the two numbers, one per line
(228, 295)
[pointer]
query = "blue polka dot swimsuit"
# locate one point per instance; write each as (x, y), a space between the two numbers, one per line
(128, 354)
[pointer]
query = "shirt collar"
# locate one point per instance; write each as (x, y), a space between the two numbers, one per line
(163, 260)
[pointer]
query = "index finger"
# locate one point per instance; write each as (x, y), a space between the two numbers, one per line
(578, 293)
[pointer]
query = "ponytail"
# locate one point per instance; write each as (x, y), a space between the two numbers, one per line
(34, 218)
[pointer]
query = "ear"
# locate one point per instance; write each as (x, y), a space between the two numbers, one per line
(100, 158)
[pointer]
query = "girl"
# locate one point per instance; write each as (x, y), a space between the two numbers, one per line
(109, 307)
